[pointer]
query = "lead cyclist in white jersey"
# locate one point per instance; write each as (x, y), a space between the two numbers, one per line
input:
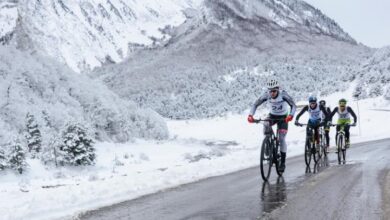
(278, 101)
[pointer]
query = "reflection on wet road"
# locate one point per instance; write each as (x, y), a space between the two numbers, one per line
(273, 195)
(324, 191)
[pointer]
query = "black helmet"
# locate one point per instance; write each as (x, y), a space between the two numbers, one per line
(312, 99)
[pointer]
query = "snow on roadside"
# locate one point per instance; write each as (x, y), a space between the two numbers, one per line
(196, 150)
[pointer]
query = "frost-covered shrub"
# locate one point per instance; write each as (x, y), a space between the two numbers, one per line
(33, 136)
(374, 75)
(376, 90)
(77, 146)
(17, 156)
(51, 153)
(387, 94)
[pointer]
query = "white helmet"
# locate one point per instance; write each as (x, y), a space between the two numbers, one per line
(272, 83)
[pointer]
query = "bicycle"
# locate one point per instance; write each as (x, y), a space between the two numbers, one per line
(340, 143)
(311, 149)
(270, 152)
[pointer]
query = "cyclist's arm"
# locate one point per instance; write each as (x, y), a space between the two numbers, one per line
(333, 113)
(301, 112)
(290, 102)
(322, 108)
(349, 109)
(258, 102)
(328, 111)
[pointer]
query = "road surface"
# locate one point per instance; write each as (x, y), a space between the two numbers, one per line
(359, 189)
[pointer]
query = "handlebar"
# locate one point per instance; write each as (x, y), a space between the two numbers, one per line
(351, 125)
(263, 120)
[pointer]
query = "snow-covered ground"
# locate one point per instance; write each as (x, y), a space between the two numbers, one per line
(197, 149)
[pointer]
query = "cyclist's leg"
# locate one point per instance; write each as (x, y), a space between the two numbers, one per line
(317, 134)
(327, 139)
(282, 131)
(346, 129)
(268, 125)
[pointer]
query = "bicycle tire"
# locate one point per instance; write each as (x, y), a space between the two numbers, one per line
(344, 155)
(265, 168)
(340, 142)
(307, 153)
(314, 152)
(277, 158)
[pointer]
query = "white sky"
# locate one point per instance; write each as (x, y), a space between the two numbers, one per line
(367, 21)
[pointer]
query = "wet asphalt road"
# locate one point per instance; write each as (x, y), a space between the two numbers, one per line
(359, 189)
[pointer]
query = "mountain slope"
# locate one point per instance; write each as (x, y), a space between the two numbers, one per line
(374, 76)
(244, 40)
(55, 95)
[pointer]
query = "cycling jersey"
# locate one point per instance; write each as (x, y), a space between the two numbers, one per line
(277, 105)
(344, 116)
(314, 114)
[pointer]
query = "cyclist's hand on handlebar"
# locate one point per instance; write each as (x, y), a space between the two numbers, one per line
(289, 118)
(296, 123)
(353, 125)
(251, 119)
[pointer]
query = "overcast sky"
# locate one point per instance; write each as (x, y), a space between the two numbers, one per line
(367, 21)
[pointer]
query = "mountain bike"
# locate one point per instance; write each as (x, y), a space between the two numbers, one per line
(341, 149)
(270, 152)
(312, 150)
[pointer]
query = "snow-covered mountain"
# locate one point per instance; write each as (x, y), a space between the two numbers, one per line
(55, 95)
(187, 77)
(85, 34)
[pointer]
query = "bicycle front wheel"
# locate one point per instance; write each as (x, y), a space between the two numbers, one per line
(344, 154)
(308, 152)
(340, 143)
(266, 159)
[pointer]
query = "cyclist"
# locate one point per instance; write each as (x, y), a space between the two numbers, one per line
(278, 100)
(315, 120)
(345, 112)
(326, 126)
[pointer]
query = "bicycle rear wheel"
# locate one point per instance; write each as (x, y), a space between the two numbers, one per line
(308, 152)
(266, 159)
(277, 158)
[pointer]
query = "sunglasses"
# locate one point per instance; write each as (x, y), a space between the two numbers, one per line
(342, 104)
(273, 90)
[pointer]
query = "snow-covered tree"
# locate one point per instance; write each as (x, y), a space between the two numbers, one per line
(17, 156)
(33, 136)
(77, 146)
(3, 160)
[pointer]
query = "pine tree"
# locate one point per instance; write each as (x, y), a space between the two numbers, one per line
(77, 146)
(17, 157)
(3, 160)
(33, 136)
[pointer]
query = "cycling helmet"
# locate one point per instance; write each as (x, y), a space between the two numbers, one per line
(312, 99)
(272, 83)
(342, 102)
(323, 103)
